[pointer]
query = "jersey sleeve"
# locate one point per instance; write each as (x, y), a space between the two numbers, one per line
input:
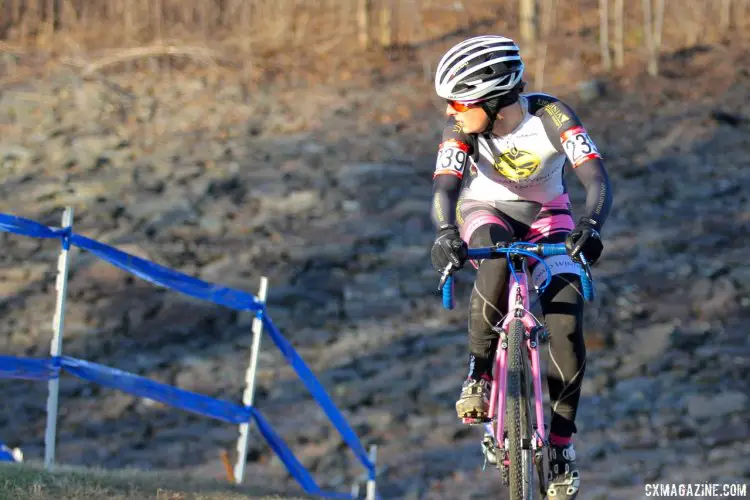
(566, 131)
(454, 151)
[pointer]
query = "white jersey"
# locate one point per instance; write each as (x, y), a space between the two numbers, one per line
(522, 165)
(526, 164)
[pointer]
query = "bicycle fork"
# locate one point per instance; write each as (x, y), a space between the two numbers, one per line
(533, 334)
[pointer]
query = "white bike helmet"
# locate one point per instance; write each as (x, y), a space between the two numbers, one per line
(479, 68)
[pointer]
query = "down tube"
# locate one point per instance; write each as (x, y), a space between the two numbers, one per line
(536, 375)
(517, 287)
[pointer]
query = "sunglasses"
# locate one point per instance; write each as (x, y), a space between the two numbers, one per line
(461, 107)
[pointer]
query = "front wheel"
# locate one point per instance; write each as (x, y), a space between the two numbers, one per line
(518, 470)
(527, 428)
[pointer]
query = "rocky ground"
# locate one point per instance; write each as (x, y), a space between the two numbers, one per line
(326, 192)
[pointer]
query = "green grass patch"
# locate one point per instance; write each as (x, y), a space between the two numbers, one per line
(29, 481)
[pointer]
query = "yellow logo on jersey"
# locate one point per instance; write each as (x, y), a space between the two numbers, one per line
(558, 117)
(517, 164)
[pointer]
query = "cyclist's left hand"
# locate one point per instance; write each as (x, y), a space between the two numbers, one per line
(584, 238)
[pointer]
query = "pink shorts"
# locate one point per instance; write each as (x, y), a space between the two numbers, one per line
(548, 223)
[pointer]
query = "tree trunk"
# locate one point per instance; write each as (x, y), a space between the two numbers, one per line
(694, 26)
(658, 27)
(725, 15)
(648, 26)
(204, 14)
(363, 23)
(528, 22)
(549, 10)
(619, 35)
(246, 19)
(604, 34)
(16, 8)
(740, 8)
(128, 20)
(386, 23)
(157, 18)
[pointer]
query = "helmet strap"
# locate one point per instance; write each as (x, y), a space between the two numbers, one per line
(493, 106)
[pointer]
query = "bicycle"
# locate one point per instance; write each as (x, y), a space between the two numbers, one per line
(520, 447)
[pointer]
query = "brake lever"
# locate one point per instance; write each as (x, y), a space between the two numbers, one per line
(586, 266)
(444, 276)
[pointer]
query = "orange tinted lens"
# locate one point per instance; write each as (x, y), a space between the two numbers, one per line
(460, 107)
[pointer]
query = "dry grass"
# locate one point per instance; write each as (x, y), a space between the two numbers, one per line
(292, 40)
(32, 482)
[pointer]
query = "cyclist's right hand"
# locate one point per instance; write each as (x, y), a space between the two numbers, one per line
(448, 248)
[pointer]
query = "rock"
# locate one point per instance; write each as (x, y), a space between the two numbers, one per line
(740, 275)
(371, 295)
(13, 156)
(89, 148)
(624, 476)
(351, 177)
(719, 405)
(724, 435)
(597, 493)
(213, 225)
(648, 343)
(722, 302)
(591, 90)
(294, 203)
(691, 335)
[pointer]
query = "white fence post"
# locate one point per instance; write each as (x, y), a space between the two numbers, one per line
(249, 395)
(371, 482)
(61, 285)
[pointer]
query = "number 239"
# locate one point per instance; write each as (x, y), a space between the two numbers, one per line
(452, 158)
(579, 145)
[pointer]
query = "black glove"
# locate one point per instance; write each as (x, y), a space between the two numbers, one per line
(585, 238)
(448, 248)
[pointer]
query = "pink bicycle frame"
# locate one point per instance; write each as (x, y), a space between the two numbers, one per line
(518, 298)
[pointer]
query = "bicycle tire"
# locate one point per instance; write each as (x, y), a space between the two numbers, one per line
(527, 428)
(513, 415)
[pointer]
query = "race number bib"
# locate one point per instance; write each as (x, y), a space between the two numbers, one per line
(578, 146)
(451, 158)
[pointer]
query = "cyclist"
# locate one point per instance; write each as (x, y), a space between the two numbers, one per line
(499, 176)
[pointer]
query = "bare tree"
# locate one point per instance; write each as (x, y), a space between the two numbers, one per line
(128, 17)
(114, 23)
(386, 23)
(205, 13)
(740, 8)
(528, 22)
(653, 26)
(619, 35)
(363, 23)
(548, 14)
(648, 26)
(604, 34)
(694, 27)
(50, 14)
(658, 26)
(16, 8)
(246, 17)
(157, 11)
(725, 15)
